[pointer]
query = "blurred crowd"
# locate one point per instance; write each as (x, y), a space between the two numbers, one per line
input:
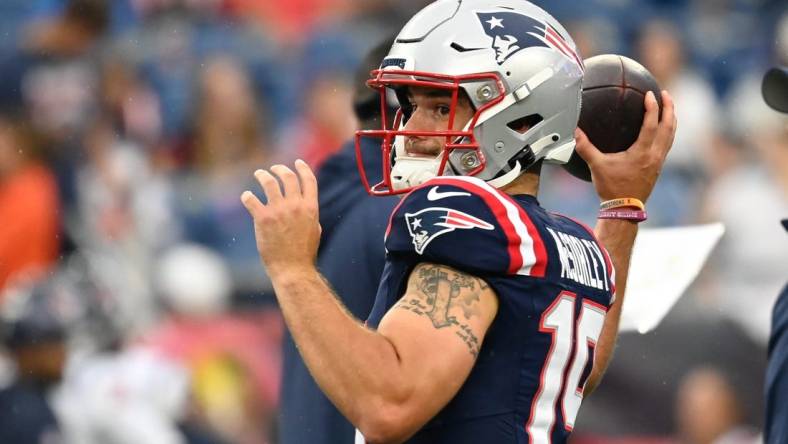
(133, 302)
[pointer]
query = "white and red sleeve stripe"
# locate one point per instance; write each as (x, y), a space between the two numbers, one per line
(527, 253)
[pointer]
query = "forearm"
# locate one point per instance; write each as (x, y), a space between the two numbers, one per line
(357, 368)
(618, 237)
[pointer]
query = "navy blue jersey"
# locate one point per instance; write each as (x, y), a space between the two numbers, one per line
(27, 416)
(554, 284)
(776, 427)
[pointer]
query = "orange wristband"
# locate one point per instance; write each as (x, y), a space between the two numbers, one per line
(621, 203)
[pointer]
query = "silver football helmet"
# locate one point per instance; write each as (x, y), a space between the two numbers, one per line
(514, 62)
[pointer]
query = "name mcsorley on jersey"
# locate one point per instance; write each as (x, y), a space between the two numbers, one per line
(581, 260)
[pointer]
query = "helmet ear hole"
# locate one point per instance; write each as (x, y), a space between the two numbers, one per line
(523, 124)
(525, 158)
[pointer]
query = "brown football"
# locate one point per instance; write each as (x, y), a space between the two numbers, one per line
(614, 89)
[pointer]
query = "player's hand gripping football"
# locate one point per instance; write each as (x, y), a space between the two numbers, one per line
(287, 227)
(633, 172)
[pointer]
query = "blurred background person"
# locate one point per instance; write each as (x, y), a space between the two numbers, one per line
(775, 93)
(34, 319)
(57, 58)
(351, 258)
(661, 50)
(750, 263)
(229, 139)
(123, 204)
(708, 410)
(232, 356)
(326, 116)
(200, 374)
(752, 255)
(29, 202)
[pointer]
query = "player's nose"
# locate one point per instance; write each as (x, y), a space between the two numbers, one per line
(418, 122)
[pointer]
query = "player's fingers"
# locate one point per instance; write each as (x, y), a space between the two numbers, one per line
(269, 185)
(252, 204)
(667, 127)
(650, 123)
(585, 148)
(289, 180)
(308, 180)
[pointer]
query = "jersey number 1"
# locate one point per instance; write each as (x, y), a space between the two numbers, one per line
(555, 382)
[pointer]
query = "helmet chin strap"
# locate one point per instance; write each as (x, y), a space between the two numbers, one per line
(537, 147)
(507, 178)
(413, 171)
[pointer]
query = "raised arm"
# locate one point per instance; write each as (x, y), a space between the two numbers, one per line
(389, 382)
(630, 173)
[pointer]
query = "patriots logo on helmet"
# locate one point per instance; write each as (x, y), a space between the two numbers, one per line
(512, 32)
(429, 223)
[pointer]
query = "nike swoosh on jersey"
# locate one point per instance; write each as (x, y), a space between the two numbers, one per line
(434, 194)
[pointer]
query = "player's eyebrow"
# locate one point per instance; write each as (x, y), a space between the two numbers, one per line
(438, 93)
(432, 93)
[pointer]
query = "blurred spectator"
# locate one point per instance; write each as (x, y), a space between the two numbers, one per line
(293, 21)
(233, 358)
(708, 411)
(34, 318)
(123, 396)
(714, 30)
(651, 367)
(121, 13)
(73, 31)
(595, 36)
(198, 377)
(353, 226)
(229, 141)
(775, 94)
(289, 20)
(108, 392)
(171, 45)
(60, 81)
(29, 208)
(749, 195)
(123, 211)
(327, 62)
(128, 103)
(327, 122)
(661, 50)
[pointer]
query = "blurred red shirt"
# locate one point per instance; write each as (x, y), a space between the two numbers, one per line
(29, 221)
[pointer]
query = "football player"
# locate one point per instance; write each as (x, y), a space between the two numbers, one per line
(775, 93)
(494, 317)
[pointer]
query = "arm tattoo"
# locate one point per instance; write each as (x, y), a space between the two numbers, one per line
(440, 289)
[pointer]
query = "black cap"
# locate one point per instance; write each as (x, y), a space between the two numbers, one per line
(785, 224)
(36, 319)
(775, 88)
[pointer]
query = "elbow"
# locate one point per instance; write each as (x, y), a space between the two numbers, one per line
(384, 425)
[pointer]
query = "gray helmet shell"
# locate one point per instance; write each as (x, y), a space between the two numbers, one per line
(535, 60)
